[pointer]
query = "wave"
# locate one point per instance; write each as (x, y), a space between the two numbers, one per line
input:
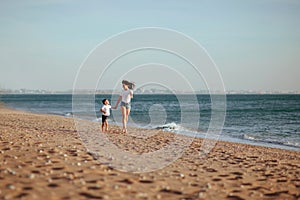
(264, 140)
(176, 128)
(68, 114)
(169, 127)
(97, 119)
(262, 110)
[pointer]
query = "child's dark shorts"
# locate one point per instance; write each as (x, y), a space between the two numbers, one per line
(104, 118)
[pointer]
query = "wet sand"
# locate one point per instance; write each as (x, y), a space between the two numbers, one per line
(43, 157)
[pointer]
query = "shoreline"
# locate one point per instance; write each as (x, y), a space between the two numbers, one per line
(222, 137)
(42, 156)
(260, 127)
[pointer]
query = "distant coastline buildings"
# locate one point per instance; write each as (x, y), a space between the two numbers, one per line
(141, 91)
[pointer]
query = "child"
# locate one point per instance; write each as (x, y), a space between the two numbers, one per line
(105, 113)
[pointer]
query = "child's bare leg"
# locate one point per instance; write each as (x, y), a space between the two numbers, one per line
(106, 125)
(102, 127)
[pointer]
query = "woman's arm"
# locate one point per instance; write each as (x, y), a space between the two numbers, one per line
(119, 99)
(131, 94)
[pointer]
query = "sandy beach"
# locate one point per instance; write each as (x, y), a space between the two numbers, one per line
(43, 157)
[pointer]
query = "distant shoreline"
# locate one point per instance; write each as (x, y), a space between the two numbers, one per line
(107, 93)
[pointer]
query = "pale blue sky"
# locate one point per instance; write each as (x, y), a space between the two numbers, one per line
(255, 43)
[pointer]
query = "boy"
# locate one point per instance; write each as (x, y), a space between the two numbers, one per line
(105, 113)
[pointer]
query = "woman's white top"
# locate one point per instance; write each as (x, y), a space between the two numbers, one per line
(126, 95)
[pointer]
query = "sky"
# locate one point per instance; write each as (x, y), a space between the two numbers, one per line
(254, 43)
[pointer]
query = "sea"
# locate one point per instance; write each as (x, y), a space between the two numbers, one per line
(271, 120)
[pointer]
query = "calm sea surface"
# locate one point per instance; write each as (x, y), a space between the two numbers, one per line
(268, 120)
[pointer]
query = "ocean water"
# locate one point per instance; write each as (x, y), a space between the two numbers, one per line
(267, 120)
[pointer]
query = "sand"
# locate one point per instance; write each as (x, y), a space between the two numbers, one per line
(43, 157)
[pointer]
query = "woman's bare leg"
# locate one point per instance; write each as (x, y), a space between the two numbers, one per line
(127, 114)
(124, 118)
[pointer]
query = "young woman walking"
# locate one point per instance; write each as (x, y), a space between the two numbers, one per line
(125, 99)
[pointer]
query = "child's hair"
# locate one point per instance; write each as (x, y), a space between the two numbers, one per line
(103, 100)
(130, 85)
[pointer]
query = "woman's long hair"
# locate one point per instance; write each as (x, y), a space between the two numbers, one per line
(130, 84)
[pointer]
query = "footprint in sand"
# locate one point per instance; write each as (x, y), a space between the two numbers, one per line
(146, 181)
(27, 188)
(166, 190)
(58, 168)
(127, 181)
(234, 197)
(89, 196)
(21, 195)
(211, 170)
(6, 149)
(275, 194)
(223, 175)
(216, 179)
(97, 187)
(53, 185)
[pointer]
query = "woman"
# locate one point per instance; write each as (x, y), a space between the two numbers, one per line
(125, 98)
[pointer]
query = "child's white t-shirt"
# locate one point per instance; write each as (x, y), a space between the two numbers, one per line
(106, 108)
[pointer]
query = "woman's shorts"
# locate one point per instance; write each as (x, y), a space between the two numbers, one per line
(126, 105)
